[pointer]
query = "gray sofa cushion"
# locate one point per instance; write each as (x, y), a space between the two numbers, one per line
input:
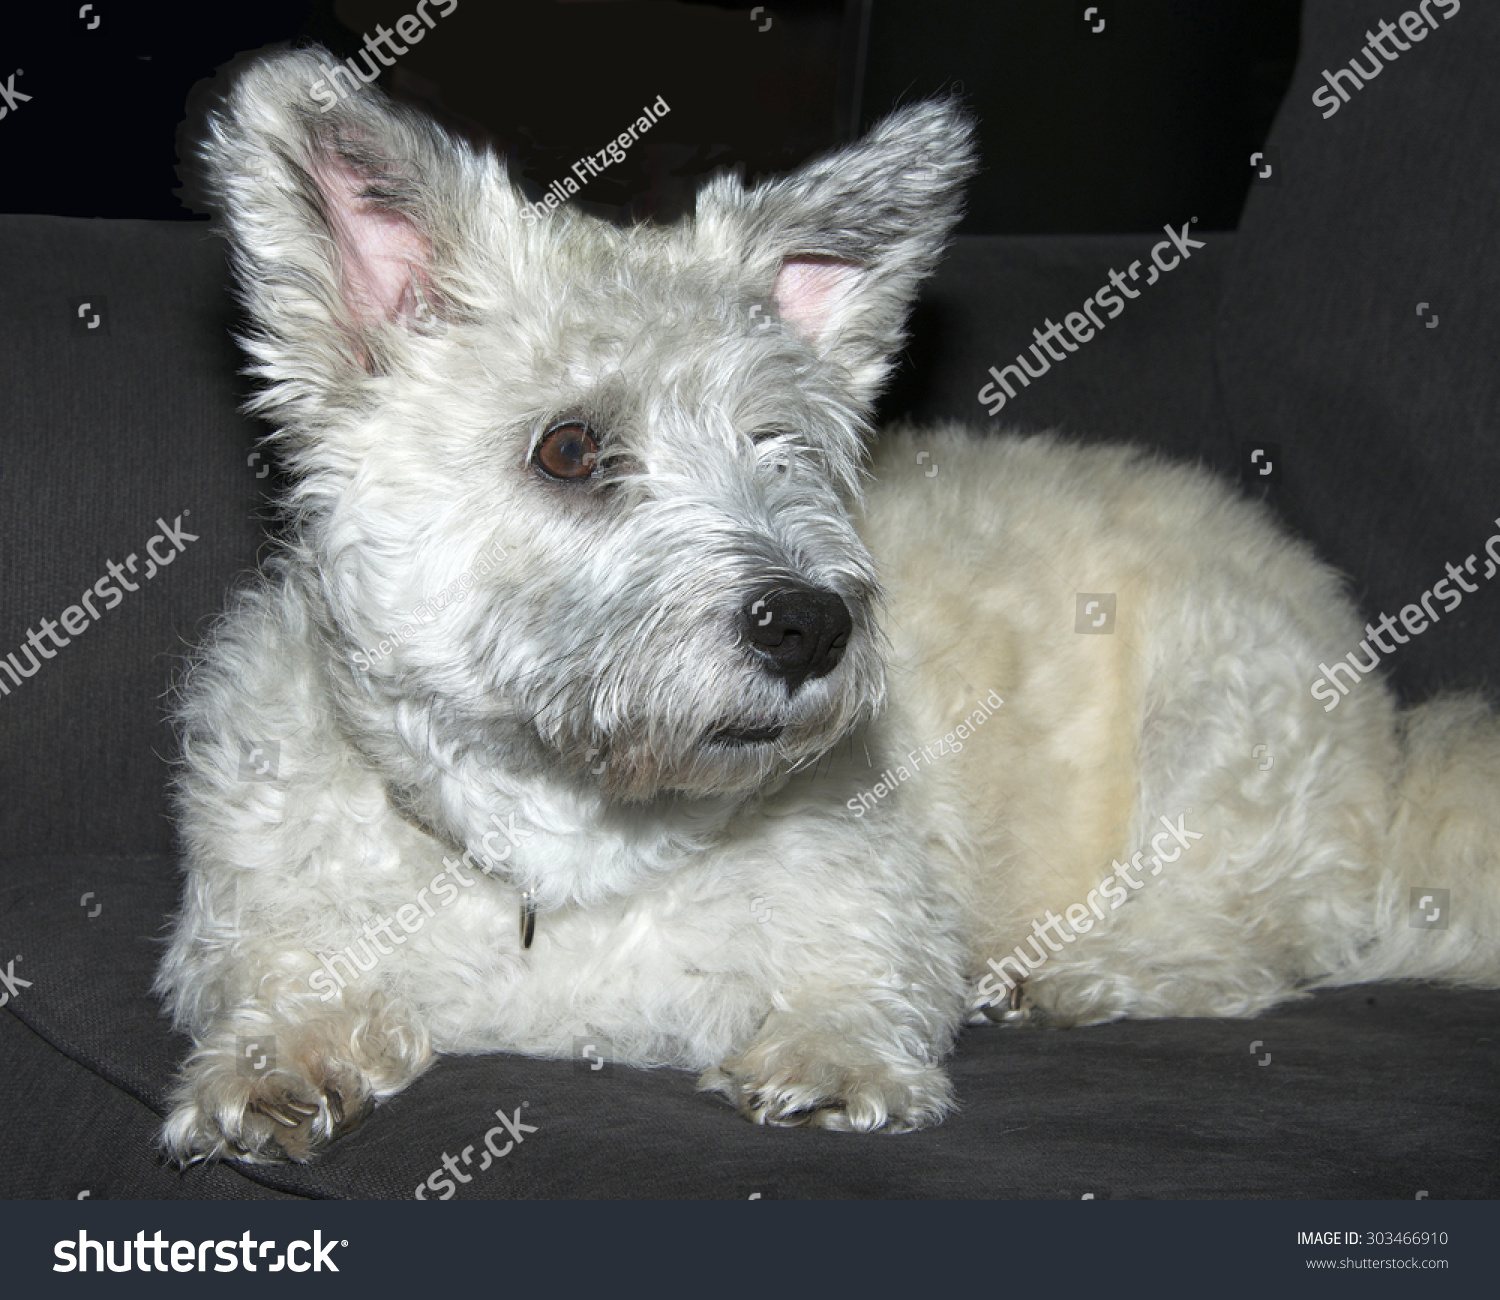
(1390, 430)
(1301, 329)
(106, 431)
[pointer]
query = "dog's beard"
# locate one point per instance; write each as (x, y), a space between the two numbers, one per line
(707, 746)
(720, 764)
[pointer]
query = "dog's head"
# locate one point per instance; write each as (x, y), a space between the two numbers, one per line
(581, 493)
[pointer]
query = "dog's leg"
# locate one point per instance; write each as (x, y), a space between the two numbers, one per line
(834, 1065)
(281, 1079)
(866, 965)
(284, 861)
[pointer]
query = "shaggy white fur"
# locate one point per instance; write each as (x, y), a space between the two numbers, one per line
(580, 628)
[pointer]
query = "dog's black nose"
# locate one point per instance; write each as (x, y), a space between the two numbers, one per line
(796, 632)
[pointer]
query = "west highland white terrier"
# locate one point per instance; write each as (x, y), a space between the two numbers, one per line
(615, 680)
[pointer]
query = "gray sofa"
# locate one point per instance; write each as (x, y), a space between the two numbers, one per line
(1299, 334)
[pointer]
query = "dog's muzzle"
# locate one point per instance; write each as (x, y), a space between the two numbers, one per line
(795, 632)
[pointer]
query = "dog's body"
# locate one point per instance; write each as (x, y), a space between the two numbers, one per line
(659, 765)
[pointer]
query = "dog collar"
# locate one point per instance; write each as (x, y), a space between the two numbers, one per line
(528, 918)
(401, 802)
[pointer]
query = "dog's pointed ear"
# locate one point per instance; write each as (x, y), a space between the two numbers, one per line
(842, 244)
(346, 217)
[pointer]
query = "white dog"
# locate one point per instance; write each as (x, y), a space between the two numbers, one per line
(600, 691)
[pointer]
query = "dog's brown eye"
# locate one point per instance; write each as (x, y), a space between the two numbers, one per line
(568, 451)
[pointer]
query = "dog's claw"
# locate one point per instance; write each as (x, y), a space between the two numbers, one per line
(286, 1121)
(301, 1108)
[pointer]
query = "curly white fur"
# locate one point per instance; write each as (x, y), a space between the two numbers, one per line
(554, 734)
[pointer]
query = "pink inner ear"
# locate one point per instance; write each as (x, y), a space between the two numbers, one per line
(810, 290)
(383, 257)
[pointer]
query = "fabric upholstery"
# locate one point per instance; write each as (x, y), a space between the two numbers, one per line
(1300, 330)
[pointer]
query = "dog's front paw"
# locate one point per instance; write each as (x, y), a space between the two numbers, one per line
(828, 1086)
(285, 1112)
(1013, 1010)
(269, 1095)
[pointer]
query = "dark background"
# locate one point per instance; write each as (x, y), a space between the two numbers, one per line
(1080, 132)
